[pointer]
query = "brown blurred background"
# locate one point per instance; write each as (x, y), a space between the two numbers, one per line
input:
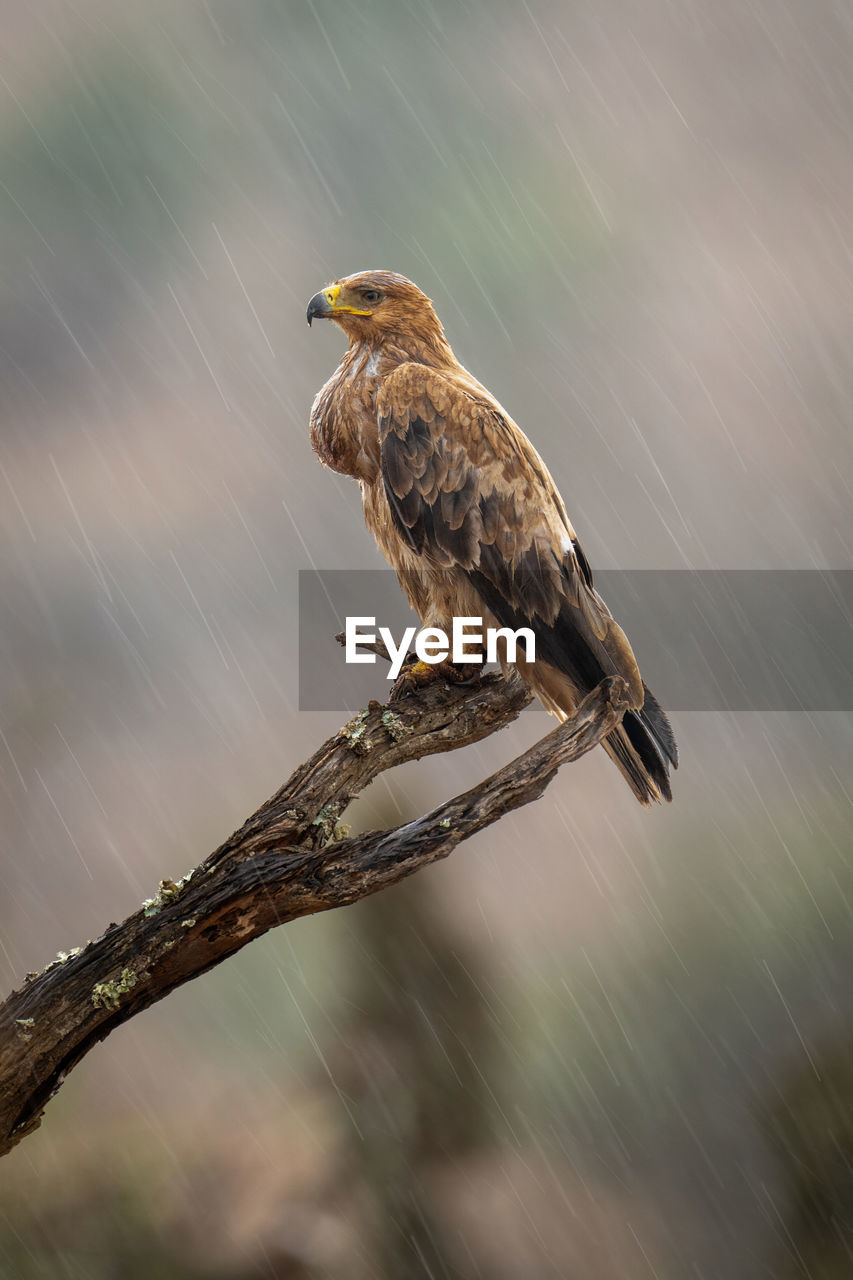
(598, 1042)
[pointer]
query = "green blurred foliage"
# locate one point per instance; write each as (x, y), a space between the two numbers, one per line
(87, 159)
(95, 179)
(659, 1059)
(809, 1124)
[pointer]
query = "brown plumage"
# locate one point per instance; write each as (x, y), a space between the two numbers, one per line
(464, 509)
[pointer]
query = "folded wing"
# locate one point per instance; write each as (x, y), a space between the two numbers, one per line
(468, 493)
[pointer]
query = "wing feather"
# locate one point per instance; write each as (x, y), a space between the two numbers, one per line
(467, 490)
(468, 493)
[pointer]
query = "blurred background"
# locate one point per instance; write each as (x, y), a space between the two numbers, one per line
(597, 1042)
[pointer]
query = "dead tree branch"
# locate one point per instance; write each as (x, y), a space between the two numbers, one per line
(285, 861)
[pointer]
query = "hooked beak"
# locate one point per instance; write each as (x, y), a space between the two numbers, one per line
(325, 304)
(319, 306)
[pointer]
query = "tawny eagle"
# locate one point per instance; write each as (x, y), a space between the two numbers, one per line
(464, 509)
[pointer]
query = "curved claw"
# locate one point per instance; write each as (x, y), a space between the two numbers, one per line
(415, 675)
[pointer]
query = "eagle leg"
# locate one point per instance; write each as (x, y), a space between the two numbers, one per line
(415, 675)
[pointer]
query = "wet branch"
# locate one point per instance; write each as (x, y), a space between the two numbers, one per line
(287, 860)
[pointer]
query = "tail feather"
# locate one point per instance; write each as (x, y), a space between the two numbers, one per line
(642, 746)
(655, 720)
(643, 749)
(629, 763)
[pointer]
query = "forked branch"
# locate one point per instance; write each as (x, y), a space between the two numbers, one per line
(287, 860)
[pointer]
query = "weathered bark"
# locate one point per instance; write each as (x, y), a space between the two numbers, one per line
(285, 861)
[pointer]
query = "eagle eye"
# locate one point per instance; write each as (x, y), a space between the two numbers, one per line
(371, 295)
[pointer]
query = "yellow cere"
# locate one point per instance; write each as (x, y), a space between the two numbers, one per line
(331, 296)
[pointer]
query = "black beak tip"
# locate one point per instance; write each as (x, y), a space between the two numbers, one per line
(318, 306)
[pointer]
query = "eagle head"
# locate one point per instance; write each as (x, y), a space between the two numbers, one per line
(373, 305)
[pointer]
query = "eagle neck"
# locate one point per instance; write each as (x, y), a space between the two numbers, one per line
(434, 351)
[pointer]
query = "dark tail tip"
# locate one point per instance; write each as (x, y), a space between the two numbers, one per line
(650, 734)
(647, 749)
(656, 721)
